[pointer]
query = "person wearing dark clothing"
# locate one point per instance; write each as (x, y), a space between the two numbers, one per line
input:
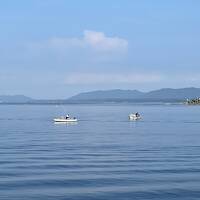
(137, 114)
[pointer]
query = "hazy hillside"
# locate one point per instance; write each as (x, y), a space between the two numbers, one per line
(14, 99)
(162, 95)
(169, 93)
(108, 94)
(166, 94)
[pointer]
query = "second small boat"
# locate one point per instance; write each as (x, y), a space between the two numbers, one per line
(134, 117)
(65, 119)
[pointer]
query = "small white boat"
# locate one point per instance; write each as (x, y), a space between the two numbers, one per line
(134, 117)
(64, 119)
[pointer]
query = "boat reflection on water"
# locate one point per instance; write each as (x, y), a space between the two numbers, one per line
(67, 123)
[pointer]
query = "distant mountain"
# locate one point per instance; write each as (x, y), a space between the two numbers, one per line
(107, 94)
(14, 99)
(172, 94)
(162, 95)
(101, 96)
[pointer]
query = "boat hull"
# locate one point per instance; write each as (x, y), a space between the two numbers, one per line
(134, 117)
(65, 120)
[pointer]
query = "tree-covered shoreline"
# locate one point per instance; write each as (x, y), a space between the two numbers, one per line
(195, 101)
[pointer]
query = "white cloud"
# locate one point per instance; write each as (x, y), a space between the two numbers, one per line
(97, 41)
(94, 78)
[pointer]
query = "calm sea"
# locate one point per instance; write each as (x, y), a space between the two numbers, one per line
(103, 156)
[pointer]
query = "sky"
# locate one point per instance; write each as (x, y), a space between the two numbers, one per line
(52, 49)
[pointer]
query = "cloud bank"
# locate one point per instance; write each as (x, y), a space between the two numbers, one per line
(94, 40)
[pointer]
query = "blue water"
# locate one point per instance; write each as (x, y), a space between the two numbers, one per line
(103, 156)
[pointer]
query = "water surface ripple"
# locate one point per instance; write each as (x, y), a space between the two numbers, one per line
(103, 156)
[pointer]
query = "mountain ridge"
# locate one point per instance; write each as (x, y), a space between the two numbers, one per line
(115, 95)
(164, 94)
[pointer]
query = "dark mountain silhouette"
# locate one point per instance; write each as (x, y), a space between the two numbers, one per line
(108, 94)
(163, 95)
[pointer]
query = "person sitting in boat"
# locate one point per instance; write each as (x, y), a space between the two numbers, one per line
(137, 114)
(67, 117)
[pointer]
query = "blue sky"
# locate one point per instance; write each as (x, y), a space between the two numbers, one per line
(54, 49)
